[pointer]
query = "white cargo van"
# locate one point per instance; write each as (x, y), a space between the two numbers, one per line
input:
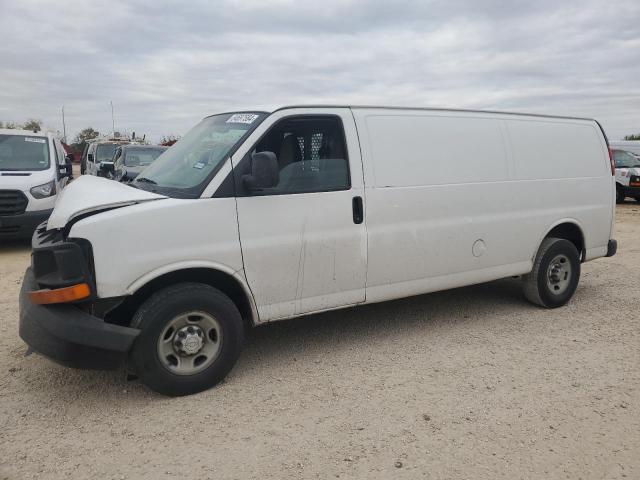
(33, 170)
(260, 216)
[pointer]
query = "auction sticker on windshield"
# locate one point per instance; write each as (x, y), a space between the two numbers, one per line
(34, 140)
(242, 118)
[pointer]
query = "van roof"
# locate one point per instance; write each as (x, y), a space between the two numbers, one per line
(23, 133)
(397, 107)
(435, 109)
(115, 142)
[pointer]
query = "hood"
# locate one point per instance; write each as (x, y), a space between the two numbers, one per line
(14, 180)
(133, 170)
(628, 171)
(89, 194)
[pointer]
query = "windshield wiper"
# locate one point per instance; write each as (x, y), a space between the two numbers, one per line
(146, 180)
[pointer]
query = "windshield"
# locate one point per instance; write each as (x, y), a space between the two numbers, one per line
(141, 157)
(19, 152)
(625, 159)
(105, 151)
(186, 167)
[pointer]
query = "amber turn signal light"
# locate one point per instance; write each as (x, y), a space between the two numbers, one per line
(60, 295)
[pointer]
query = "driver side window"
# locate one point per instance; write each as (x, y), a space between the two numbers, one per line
(311, 155)
(117, 158)
(59, 153)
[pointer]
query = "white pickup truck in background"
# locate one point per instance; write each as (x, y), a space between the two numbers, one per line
(627, 175)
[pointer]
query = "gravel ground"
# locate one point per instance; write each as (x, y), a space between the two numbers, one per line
(470, 383)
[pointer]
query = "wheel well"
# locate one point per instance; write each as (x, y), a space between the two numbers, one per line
(571, 232)
(224, 282)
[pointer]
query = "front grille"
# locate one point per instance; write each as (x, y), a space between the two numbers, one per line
(9, 230)
(43, 237)
(12, 202)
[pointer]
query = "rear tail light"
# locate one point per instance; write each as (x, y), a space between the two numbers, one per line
(613, 163)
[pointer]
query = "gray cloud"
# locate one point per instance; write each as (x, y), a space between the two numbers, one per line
(166, 64)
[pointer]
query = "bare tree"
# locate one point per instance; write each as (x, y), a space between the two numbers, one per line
(169, 139)
(33, 125)
(83, 137)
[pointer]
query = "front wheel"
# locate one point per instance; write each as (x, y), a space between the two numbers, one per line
(555, 274)
(191, 336)
(619, 195)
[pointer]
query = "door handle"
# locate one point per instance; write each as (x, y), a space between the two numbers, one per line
(358, 212)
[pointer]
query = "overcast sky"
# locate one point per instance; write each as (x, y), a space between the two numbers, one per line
(166, 64)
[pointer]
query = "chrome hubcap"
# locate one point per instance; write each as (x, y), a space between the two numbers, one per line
(190, 343)
(189, 340)
(559, 274)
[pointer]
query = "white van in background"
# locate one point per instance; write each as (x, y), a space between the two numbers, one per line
(260, 216)
(627, 175)
(33, 170)
(99, 157)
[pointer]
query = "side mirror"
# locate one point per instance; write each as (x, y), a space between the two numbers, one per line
(65, 171)
(264, 172)
(90, 157)
(106, 166)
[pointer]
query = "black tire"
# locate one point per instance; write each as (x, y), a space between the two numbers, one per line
(638, 199)
(536, 284)
(620, 196)
(155, 314)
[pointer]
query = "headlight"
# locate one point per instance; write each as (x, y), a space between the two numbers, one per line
(44, 191)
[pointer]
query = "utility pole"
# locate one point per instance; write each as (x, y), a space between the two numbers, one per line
(113, 121)
(64, 126)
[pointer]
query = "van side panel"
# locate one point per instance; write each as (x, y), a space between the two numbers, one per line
(435, 150)
(554, 150)
(444, 204)
(563, 172)
(161, 236)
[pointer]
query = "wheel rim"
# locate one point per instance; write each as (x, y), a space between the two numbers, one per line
(189, 343)
(559, 274)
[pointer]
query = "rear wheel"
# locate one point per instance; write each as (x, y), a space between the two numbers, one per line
(191, 336)
(555, 274)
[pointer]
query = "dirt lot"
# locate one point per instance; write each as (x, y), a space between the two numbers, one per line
(471, 383)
